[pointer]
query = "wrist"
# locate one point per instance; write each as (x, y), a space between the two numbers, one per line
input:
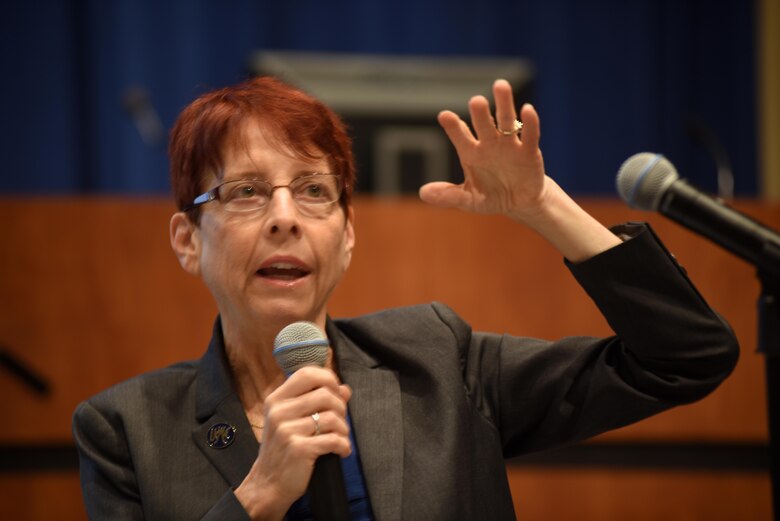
(565, 225)
(542, 208)
(260, 503)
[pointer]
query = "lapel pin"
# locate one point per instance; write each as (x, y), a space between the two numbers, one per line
(221, 435)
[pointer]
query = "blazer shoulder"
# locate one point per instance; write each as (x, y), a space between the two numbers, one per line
(160, 385)
(433, 324)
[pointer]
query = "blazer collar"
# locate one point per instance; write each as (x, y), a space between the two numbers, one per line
(376, 414)
(216, 402)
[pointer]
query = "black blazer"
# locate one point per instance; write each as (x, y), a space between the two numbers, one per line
(436, 407)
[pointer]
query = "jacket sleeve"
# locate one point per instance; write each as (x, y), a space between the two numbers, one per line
(670, 348)
(107, 475)
(108, 478)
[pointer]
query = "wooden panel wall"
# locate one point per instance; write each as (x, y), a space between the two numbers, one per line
(90, 294)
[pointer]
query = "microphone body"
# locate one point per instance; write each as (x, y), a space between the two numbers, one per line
(298, 345)
(327, 490)
(649, 182)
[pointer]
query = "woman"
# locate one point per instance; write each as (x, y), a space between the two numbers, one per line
(422, 410)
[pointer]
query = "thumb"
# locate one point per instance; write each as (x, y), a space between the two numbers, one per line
(445, 195)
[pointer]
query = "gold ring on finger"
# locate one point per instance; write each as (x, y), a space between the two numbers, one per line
(516, 130)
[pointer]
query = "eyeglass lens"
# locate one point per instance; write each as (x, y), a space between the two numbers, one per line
(317, 190)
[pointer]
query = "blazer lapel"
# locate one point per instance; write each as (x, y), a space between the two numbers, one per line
(217, 406)
(375, 409)
(233, 461)
(376, 414)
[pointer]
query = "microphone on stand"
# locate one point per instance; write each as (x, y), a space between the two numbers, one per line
(648, 181)
(298, 345)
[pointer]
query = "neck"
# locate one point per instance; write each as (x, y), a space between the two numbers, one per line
(249, 351)
(256, 373)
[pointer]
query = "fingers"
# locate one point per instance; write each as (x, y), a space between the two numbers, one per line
(312, 438)
(485, 125)
(321, 401)
(531, 131)
(445, 195)
(456, 129)
(310, 404)
(308, 378)
(309, 390)
(329, 433)
(505, 105)
(506, 115)
(481, 118)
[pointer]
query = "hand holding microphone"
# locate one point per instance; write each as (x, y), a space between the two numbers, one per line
(297, 347)
(305, 433)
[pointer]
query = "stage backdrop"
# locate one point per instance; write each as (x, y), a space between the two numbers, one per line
(612, 78)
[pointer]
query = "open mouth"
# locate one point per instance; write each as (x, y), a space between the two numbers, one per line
(282, 271)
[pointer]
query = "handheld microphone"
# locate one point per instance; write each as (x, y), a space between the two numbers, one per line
(648, 181)
(298, 345)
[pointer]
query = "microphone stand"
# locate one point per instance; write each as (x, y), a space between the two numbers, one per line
(769, 346)
(35, 382)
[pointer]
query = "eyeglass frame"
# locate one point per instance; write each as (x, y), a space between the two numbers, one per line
(213, 194)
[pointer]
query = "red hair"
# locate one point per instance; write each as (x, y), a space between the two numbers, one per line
(298, 121)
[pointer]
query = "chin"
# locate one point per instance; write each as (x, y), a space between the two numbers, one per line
(288, 313)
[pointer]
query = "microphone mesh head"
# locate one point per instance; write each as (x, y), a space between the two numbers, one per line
(644, 178)
(300, 344)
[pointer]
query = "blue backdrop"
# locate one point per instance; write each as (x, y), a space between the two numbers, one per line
(614, 77)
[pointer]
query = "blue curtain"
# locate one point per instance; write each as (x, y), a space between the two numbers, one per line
(613, 77)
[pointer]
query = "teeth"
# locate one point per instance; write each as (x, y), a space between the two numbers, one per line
(283, 266)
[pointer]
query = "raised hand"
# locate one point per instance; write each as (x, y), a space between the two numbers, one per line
(503, 173)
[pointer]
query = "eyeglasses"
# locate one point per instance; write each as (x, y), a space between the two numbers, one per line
(313, 193)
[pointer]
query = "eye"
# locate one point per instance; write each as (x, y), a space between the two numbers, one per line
(249, 191)
(244, 191)
(244, 194)
(312, 189)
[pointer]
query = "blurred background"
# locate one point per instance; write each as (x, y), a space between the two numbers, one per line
(609, 78)
(90, 293)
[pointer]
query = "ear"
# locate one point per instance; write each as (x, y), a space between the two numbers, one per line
(185, 241)
(349, 237)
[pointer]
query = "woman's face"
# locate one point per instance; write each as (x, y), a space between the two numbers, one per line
(276, 265)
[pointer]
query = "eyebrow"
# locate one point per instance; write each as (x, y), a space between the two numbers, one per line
(245, 175)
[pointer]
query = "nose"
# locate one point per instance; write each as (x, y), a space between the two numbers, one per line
(282, 216)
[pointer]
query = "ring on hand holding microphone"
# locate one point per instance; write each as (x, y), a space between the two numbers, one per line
(316, 418)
